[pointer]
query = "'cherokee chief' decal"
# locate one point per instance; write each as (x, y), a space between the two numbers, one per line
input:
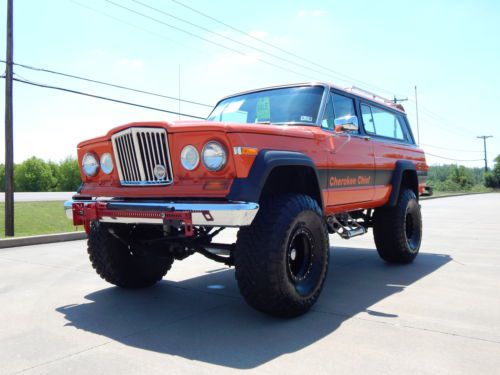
(345, 178)
(349, 181)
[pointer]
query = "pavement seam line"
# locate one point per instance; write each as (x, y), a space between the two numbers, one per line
(405, 326)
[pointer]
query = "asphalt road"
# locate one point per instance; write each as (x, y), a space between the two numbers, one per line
(439, 315)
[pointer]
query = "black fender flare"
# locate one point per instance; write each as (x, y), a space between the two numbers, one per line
(249, 189)
(397, 178)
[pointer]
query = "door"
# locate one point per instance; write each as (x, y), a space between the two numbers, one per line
(351, 176)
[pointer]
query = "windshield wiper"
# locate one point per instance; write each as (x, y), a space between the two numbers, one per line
(263, 122)
(295, 123)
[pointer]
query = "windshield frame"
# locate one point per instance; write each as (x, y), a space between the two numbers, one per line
(324, 98)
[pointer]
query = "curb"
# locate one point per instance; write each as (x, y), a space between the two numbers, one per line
(455, 195)
(43, 239)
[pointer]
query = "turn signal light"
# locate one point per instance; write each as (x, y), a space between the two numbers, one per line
(216, 185)
(252, 151)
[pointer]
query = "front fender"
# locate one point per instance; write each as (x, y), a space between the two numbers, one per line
(249, 189)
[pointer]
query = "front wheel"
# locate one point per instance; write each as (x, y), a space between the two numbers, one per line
(282, 258)
(118, 263)
(398, 230)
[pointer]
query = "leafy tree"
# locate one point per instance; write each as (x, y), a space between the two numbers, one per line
(54, 168)
(492, 179)
(33, 175)
(455, 178)
(461, 176)
(68, 175)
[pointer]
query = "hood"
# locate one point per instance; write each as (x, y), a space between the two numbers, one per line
(296, 131)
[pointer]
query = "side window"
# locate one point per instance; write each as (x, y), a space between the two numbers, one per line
(368, 122)
(381, 122)
(328, 117)
(387, 124)
(343, 106)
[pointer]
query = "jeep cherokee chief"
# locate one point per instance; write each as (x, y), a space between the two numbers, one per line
(286, 165)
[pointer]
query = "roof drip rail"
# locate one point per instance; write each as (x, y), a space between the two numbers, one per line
(370, 95)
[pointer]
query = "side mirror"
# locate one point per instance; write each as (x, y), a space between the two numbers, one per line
(346, 123)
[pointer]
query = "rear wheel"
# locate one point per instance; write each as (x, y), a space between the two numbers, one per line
(117, 262)
(398, 230)
(282, 258)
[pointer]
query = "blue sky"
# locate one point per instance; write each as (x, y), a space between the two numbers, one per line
(449, 49)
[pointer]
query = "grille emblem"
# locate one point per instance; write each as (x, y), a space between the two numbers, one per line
(160, 172)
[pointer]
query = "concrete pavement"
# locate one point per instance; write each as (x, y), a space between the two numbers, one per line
(440, 314)
(40, 196)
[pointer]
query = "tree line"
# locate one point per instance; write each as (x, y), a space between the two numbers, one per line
(451, 177)
(35, 174)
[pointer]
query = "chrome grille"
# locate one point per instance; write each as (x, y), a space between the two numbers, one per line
(138, 151)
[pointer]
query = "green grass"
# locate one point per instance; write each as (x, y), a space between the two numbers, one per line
(32, 218)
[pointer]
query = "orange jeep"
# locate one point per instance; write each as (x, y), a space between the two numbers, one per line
(286, 165)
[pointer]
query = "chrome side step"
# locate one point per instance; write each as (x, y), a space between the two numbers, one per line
(345, 226)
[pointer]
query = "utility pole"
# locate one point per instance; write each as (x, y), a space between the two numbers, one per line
(416, 111)
(9, 132)
(484, 137)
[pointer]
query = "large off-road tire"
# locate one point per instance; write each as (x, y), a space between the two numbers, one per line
(282, 258)
(116, 263)
(398, 230)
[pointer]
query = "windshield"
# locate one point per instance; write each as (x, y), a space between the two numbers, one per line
(276, 106)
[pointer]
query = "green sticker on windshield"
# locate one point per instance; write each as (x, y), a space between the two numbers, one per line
(263, 111)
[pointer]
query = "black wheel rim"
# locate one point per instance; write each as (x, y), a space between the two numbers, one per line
(300, 260)
(412, 231)
(299, 254)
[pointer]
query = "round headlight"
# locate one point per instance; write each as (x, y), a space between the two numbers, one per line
(90, 165)
(214, 156)
(190, 157)
(106, 163)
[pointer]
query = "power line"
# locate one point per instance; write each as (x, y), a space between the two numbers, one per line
(134, 26)
(108, 84)
(428, 114)
(207, 40)
(444, 157)
(242, 43)
(103, 98)
(444, 124)
(279, 48)
(448, 149)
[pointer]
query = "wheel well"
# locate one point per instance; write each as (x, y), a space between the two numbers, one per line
(293, 179)
(410, 181)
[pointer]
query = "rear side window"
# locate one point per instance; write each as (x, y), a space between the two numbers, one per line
(381, 122)
(368, 122)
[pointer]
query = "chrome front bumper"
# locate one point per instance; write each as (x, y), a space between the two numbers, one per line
(224, 214)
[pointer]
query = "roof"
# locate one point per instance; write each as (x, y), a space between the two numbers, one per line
(353, 90)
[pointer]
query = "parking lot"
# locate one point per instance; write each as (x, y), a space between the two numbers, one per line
(439, 315)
